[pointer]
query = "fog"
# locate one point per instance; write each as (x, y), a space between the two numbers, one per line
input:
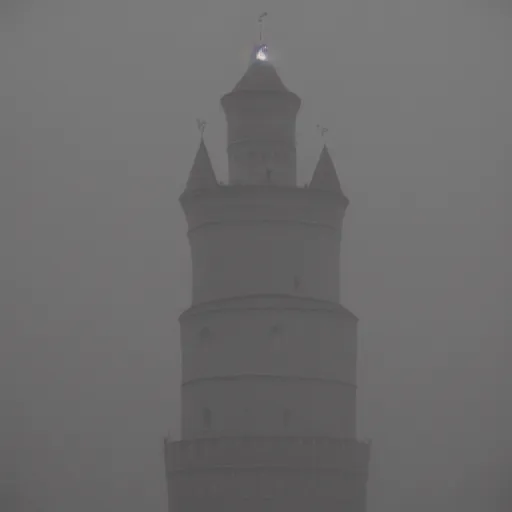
(99, 101)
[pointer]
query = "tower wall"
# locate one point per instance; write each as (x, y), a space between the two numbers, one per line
(264, 162)
(261, 137)
(264, 240)
(257, 406)
(280, 473)
(269, 335)
(269, 366)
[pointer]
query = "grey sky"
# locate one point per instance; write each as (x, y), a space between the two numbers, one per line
(99, 101)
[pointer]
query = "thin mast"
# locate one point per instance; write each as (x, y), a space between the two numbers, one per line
(201, 125)
(260, 22)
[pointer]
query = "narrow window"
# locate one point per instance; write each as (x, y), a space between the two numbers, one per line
(207, 418)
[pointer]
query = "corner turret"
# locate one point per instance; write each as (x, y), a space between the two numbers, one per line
(201, 174)
(325, 176)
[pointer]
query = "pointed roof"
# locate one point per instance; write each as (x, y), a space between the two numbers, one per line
(260, 80)
(202, 174)
(261, 76)
(325, 176)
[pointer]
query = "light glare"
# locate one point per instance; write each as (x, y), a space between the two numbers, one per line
(262, 53)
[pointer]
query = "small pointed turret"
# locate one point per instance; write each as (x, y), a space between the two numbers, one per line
(325, 176)
(202, 174)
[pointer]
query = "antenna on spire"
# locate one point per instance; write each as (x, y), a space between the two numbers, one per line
(201, 125)
(260, 22)
(322, 130)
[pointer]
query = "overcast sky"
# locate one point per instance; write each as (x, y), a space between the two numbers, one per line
(98, 105)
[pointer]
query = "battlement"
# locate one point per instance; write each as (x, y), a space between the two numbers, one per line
(347, 455)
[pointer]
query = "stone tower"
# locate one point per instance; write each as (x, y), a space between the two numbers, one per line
(268, 353)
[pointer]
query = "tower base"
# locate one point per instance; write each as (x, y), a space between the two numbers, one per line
(267, 474)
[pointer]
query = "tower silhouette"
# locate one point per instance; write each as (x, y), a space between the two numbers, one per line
(268, 413)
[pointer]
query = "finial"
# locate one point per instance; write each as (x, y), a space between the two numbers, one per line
(322, 130)
(260, 22)
(201, 125)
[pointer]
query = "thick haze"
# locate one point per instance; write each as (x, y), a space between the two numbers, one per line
(99, 100)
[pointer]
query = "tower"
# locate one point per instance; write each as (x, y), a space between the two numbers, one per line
(268, 352)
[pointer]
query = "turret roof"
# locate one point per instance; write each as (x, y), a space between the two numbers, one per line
(202, 174)
(261, 76)
(325, 176)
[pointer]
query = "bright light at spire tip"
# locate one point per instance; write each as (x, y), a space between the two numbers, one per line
(262, 53)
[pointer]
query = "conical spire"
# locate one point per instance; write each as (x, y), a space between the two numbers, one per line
(325, 176)
(202, 174)
(260, 76)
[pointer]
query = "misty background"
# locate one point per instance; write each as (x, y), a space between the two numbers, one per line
(98, 101)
